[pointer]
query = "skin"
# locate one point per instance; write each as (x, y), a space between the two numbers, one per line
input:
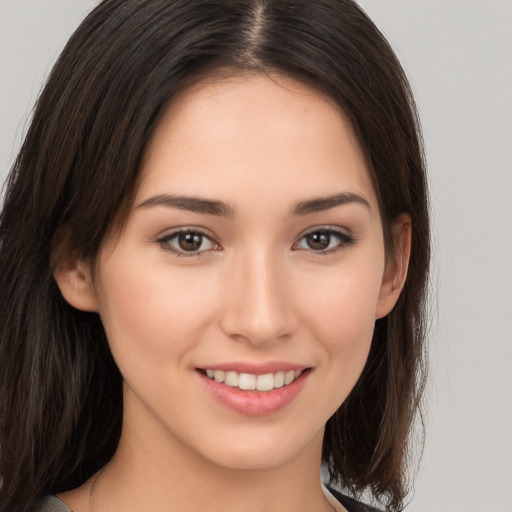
(255, 291)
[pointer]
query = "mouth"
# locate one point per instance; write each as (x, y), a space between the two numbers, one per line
(252, 382)
(255, 394)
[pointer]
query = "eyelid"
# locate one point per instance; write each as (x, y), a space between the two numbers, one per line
(346, 238)
(164, 238)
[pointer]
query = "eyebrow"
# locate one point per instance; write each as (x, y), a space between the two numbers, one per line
(326, 203)
(192, 204)
(221, 209)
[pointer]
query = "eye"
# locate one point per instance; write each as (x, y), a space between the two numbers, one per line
(325, 241)
(188, 242)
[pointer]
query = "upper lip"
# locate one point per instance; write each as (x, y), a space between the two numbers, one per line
(256, 368)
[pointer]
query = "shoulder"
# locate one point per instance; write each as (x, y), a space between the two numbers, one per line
(52, 504)
(351, 504)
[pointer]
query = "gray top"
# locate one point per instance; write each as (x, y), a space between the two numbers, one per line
(52, 504)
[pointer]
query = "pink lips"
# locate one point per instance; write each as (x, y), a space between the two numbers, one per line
(255, 403)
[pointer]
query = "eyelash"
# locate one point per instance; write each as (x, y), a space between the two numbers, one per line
(344, 241)
(165, 240)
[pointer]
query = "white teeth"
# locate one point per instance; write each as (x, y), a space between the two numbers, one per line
(231, 379)
(250, 382)
(289, 377)
(265, 382)
(279, 380)
(247, 381)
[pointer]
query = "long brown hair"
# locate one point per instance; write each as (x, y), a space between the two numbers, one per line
(74, 178)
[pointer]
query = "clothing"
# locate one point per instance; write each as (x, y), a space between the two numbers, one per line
(53, 504)
(351, 504)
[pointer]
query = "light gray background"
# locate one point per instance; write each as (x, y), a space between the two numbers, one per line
(458, 55)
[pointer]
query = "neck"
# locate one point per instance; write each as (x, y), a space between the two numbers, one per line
(135, 481)
(144, 475)
(153, 469)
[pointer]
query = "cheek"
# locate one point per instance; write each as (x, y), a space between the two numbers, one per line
(339, 310)
(343, 303)
(149, 311)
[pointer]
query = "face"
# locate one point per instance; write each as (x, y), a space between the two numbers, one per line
(240, 300)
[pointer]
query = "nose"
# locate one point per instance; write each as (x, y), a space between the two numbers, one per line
(257, 307)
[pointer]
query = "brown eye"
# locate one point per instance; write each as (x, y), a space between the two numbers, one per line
(325, 241)
(319, 240)
(190, 241)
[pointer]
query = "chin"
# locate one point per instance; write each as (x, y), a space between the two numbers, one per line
(262, 451)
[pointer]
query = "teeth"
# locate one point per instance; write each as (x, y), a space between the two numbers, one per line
(250, 382)
(265, 382)
(289, 377)
(231, 379)
(247, 381)
(279, 380)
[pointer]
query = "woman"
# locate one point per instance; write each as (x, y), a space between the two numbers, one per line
(214, 255)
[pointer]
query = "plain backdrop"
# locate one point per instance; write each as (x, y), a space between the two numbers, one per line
(458, 55)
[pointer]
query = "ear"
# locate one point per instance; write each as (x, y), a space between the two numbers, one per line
(74, 279)
(395, 272)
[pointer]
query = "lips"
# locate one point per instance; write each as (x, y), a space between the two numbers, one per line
(254, 390)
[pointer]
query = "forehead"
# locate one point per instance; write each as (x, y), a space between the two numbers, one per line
(253, 132)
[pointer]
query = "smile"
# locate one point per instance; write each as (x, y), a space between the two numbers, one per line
(258, 393)
(252, 382)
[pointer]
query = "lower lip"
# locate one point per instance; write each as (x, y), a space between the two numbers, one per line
(255, 403)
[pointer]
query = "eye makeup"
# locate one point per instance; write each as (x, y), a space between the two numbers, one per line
(194, 241)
